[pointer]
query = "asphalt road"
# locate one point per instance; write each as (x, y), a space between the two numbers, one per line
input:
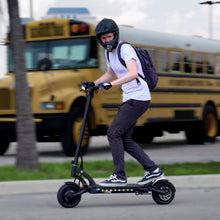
(194, 199)
(190, 204)
(171, 148)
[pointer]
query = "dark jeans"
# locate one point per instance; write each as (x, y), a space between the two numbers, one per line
(119, 136)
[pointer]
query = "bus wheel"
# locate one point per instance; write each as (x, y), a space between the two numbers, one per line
(70, 136)
(206, 130)
(4, 144)
(210, 124)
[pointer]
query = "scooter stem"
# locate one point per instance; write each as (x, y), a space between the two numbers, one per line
(90, 94)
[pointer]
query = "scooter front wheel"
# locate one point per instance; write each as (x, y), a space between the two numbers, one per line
(167, 193)
(66, 197)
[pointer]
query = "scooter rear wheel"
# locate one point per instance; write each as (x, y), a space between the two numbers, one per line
(65, 195)
(168, 195)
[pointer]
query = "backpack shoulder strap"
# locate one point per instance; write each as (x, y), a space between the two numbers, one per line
(119, 53)
(122, 61)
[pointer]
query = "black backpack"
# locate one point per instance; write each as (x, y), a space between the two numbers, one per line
(150, 75)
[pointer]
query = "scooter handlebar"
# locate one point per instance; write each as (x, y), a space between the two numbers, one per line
(88, 86)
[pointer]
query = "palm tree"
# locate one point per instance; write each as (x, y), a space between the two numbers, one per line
(27, 157)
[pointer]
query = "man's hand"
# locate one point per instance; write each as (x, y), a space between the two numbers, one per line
(105, 85)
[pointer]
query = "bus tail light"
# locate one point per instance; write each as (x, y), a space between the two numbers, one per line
(83, 27)
(74, 28)
(79, 28)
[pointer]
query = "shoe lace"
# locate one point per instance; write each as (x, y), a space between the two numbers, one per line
(146, 173)
(114, 176)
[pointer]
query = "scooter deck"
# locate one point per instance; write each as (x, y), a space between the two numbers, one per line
(129, 188)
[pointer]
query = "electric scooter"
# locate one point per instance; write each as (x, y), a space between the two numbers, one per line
(69, 195)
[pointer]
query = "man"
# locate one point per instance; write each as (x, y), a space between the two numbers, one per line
(136, 100)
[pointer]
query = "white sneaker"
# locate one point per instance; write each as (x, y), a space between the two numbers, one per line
(113, 180)
(150, 176)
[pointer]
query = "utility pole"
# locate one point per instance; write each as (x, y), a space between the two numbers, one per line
(210, 3)
(31, 11)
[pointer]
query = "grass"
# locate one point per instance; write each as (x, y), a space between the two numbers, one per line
(103, 169)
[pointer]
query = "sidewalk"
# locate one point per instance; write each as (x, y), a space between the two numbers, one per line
(52, 186)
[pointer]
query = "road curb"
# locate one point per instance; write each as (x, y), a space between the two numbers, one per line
(52, 186)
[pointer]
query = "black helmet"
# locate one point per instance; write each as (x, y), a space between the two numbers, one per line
(107, 26)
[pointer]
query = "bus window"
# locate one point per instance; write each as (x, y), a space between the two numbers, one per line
(175, 61)
(67, 54)
(152, 54)
(217, 66)
(187, 62)
(72, 53)
(163, 60)
(32, 54)
(209, 64)
(199, 63)
(62, 54)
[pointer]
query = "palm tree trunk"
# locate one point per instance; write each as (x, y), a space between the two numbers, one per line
(27, 157)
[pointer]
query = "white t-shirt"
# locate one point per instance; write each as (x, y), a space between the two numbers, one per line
(132, 89)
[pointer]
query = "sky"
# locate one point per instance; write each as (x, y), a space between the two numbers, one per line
(186, 17)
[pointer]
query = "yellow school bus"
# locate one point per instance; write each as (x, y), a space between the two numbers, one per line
(61, 53)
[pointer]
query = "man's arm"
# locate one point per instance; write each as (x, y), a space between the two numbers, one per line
(129, 76)
(106, 77)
